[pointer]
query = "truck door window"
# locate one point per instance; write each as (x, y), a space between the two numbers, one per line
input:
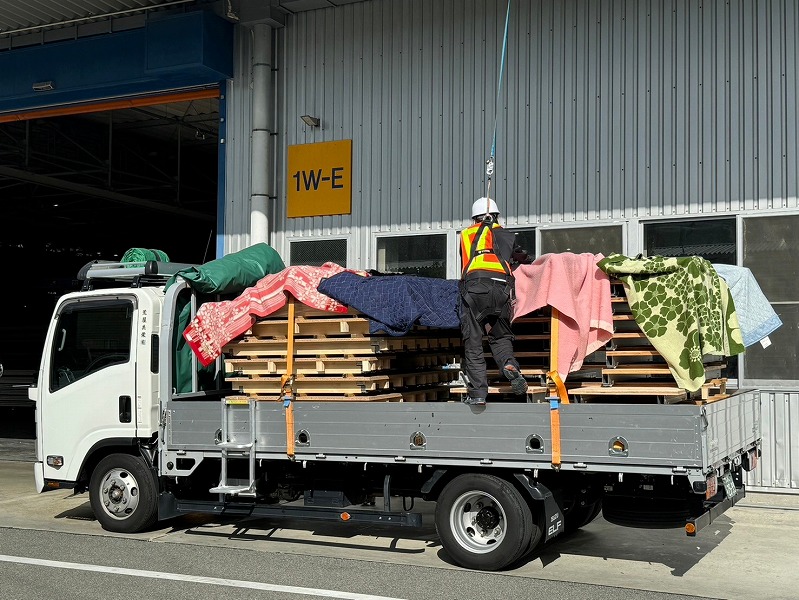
(90, 336)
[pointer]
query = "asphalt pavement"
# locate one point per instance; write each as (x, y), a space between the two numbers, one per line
(744, 554)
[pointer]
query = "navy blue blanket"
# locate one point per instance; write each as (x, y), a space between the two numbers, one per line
(395, 303)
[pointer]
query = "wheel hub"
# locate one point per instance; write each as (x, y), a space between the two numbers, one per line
(116, 493)
(477, 522)
(120, 491)
(487, 518)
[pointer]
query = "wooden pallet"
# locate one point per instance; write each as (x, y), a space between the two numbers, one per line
(257, 384)
(389, 397)
(333, 356)
(338, 346)
(660, 393)
(534, 393)
(337, 365)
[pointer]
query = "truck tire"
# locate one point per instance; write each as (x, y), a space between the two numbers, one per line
(484, 522)
(123, 494)
(581, 515)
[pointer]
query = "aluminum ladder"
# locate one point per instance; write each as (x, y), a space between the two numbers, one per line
(238, 449)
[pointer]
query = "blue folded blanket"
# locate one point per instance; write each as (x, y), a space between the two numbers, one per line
(395, 303)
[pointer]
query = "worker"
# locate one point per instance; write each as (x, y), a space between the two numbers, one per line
(487, 293)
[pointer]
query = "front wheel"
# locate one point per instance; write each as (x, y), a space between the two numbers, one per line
(123, 494)
(484, 522)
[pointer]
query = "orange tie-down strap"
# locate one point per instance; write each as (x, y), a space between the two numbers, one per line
(287, 380)
(288, 396)
(554, 426)
(554, 415)
(563, 395)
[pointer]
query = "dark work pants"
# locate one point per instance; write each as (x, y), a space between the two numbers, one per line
(485, 308)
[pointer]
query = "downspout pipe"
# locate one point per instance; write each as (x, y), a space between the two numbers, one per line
(262, 169)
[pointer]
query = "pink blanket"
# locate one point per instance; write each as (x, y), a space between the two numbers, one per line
(216, 323)
(580, 291)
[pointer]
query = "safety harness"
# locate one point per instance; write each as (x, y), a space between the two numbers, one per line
(474, 252)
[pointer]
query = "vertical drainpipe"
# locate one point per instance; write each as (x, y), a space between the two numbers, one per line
(262, 167)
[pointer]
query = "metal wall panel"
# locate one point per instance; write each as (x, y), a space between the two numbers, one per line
(238, 147)
(779, 465)
(611, 109)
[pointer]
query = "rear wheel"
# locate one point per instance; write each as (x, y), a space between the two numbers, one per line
(581, 515)
(123, 494)
(484, 522)
(649, 513)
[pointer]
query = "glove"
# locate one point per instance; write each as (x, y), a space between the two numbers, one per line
(520, 257)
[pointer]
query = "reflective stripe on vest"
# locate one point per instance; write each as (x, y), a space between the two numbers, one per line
(484, 258)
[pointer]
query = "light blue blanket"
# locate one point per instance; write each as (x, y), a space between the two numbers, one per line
(756, 317)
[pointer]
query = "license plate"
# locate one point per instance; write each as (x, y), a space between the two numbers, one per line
(729, 485)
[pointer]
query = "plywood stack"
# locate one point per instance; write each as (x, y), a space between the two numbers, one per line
(634, 370)
(336, 358)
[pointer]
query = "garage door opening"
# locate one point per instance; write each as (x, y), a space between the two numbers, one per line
(80, 187)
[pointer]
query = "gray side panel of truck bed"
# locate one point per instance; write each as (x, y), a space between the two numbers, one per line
(658, 437)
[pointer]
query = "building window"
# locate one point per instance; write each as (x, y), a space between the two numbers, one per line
(602, 239)
(525, 239)
(424, 255)
(771, 252)
(315, 253)
(712, 239)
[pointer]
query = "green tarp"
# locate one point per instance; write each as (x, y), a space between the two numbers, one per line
(226, 276)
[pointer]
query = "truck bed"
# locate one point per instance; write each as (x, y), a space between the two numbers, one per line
(659, 438)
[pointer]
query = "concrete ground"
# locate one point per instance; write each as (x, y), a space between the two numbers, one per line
(744, 554)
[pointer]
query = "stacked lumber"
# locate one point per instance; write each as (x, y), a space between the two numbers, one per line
(635, 371)
(334, 357)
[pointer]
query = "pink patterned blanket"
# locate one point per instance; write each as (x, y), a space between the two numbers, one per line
(580, 291)
(217, 323)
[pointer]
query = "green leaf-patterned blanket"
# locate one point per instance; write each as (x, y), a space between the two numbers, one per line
(683, 307)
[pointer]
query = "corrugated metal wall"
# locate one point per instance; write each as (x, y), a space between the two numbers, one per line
(779, 466)
(238, 146)
(610, 110)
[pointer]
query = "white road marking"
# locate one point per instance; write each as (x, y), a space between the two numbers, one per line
(252, 585)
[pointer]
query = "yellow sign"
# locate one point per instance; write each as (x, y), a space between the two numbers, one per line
(320, 179)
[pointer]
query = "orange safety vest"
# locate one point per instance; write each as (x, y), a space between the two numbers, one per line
(480, 255)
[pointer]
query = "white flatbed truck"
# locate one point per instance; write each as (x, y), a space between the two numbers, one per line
(110, 422)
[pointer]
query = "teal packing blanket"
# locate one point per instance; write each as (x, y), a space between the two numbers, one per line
(683, 307)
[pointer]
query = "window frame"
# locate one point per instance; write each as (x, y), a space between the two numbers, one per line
(451, 240)
(623, 225)
(60, 374)
(317, 239)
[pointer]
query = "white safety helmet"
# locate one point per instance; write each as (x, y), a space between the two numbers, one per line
(480, 205)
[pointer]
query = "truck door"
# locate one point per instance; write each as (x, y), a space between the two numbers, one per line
(89, 381)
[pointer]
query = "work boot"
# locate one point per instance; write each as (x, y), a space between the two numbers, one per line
(517, 381)
(474, 401)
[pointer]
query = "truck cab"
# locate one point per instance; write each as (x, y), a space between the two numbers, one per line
(106, 341)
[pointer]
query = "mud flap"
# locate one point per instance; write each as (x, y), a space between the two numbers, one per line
(553, 516)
